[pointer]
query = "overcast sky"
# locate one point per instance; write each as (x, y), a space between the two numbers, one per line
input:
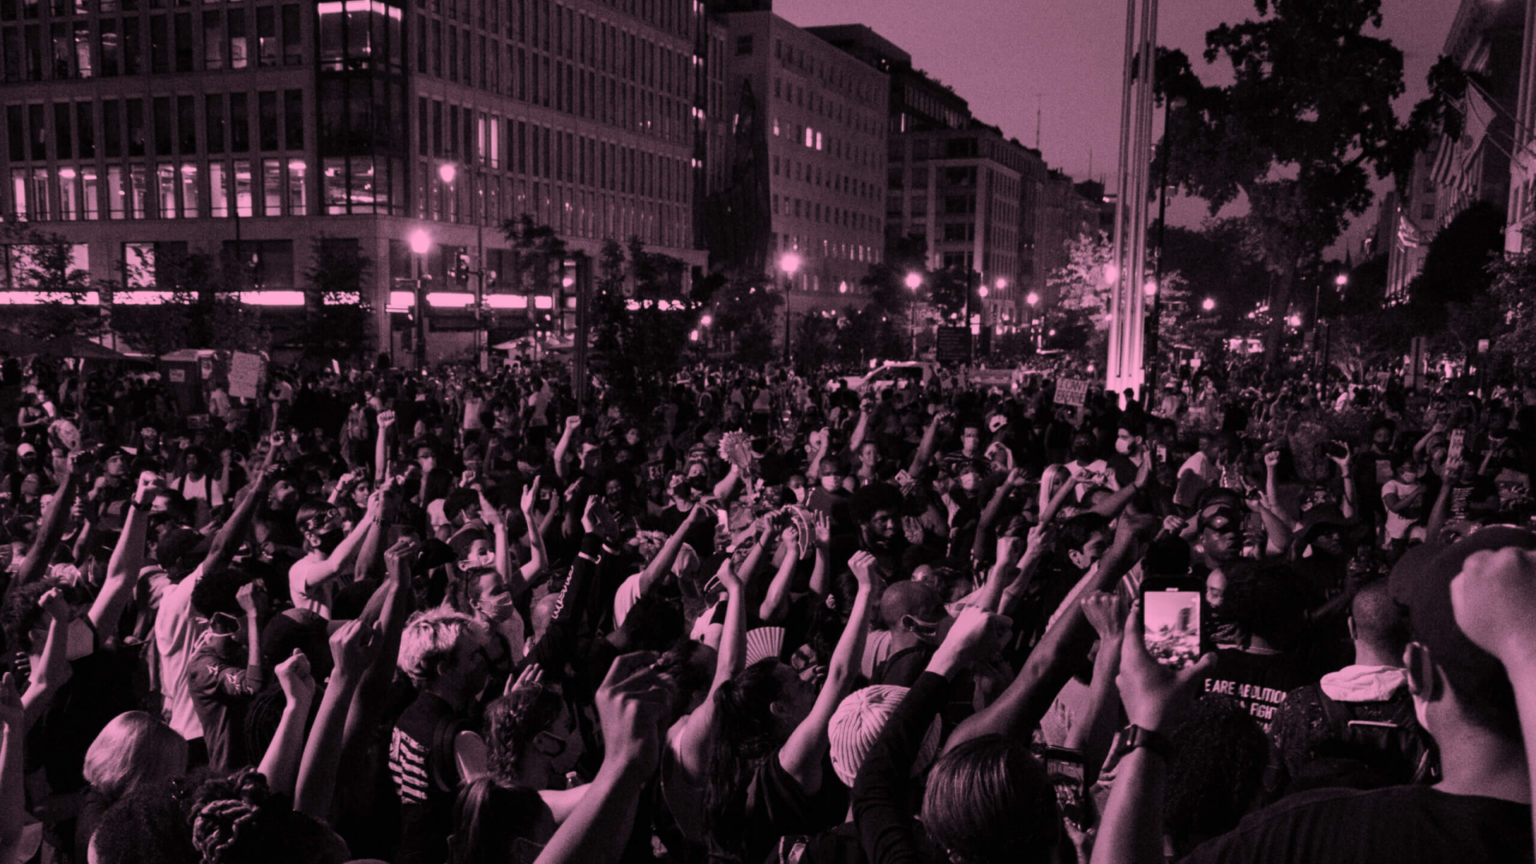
(1008, 56)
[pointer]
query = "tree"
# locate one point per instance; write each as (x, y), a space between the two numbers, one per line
(746, 309)
(1081, 288)
(1456, 266)
(1514, 288)
(45, 264)
(336, 315)
(1307, 116)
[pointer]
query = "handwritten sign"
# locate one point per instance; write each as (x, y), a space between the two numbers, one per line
(244, 375)
(1071, 391)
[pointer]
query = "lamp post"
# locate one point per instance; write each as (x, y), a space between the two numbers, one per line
(448, 172)
(421, 244)
(789, 262)
(1033, 299)
(914, 282)
(1208, 304)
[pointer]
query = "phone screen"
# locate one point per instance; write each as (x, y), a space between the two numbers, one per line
(1171, 624)
(1069, 777)
(1458, 444)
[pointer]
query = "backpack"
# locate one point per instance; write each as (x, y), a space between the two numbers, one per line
(1369, 747)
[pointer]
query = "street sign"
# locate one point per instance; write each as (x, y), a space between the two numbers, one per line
(1071, 391)
(954, 345)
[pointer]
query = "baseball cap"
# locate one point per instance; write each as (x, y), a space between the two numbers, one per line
(1421, 582)
(25, 448)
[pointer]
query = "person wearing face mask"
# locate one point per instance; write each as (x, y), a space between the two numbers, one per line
(227, 671)
(970, 455)
(1086, 461)
(26, 464)
(314, 579)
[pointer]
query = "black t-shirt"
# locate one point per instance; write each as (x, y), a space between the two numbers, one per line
(777, 805)
(1257, 682)
(426, 779)
(1397, 825)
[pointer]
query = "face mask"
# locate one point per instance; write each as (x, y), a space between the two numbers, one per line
(830, 482)
(482, 561)
(500, 607)
(968, 482)
(1124, 447)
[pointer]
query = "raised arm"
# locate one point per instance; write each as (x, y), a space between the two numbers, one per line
(990, 512)
(563, 448)
(232, 534)
(692, 744)
(925, 449)
(334, 563)
(354, 648)
(802, 754)
(280, 765)
(632, 705)
(821, 570)
(381, 448)
(51, 529)
(776, 600)
(538, 558)
(54, 671)
(662, 563)
(13, 729)
(1347, 470)
(127, 561)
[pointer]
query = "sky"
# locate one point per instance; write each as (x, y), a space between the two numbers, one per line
(1008, 57)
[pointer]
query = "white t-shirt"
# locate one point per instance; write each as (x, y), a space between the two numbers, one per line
(317, 599)
(177, 632)
(1398, 524)
(625, 599)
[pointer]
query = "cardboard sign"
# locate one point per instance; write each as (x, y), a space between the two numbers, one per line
(244, 375)
(1071, 391)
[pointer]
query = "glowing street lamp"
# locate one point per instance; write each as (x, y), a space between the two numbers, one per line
(1209, 304)
(789, 263)
(707, 320)
(447, 172)
(421, 241)
(1341, 280)
(421, 244)
(914, 282)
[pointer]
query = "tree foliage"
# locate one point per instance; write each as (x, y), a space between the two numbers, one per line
(1455, 268)
(44, 263)
(1306, 118)
(337, 316)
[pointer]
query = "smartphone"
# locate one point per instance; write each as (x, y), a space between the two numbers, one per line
(1069, 776)
(1458, 445)
(1171, 618)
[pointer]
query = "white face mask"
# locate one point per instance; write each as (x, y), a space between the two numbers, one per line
(1124, 447)
(478, 562)
(830, 482)
(968, 482)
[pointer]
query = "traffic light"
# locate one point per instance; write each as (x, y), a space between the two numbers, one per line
(461, 269)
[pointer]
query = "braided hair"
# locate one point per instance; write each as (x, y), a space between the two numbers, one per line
(512, 723)
(237, 820)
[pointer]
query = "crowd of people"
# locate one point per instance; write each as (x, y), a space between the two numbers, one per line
(743, 616)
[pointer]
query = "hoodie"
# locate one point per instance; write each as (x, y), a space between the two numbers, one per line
(1364, 683)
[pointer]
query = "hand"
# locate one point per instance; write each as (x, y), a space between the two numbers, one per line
(632, 704)
(700, 512)
(1494, 600)
(863, 566)
(376, 501)
(251, 597)
(572, 423)
(822, 523)
(598, 520)
(11, 713)
(398, 558)
(1016, 477)
(55, 605)
(727, 576)
(80, 463)
(1041, 538)
(1008, 550)
(293, 676)
(489, 514)
(1272, 459)
(530, 498)
(1153, 694)
(386, 419)
(149, 484)
(1174, 524)
(976, 633)
(354, 648)
(531, 679)
(468, 478)
(1107, 615)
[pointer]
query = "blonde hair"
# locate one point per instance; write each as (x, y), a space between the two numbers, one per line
(430, 638)
(1050, 483)
(135, 749)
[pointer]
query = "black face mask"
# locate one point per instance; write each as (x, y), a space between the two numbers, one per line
(700, 483)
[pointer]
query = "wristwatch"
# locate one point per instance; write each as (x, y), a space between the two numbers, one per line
(1134, 736)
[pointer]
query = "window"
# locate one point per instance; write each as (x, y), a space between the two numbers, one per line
(237, 45)
(111, 49)
(183, 27)
(39, 136)
(266, 119)
(293, 46)
(117, 193)
(186, 125)
(111, 127)
(85, 130)
(135, 127)
(165, 191)
(239, 123)
(163, 130)
(266, 36)
(133, 46)
(218, 189)
(90, 189)
(214, 109)
(138, 191)
(296, 169)
(63, 140)
(293, 118)
(189, 195)
(243, 202)
(271, 187)
(62, 49)
(213, 40)
(159, 44)
(83, 49)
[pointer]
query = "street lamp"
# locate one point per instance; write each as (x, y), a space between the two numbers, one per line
(421, 244)
(1209, 304)
(449, 172)
(914, 282)
(789, 263)
(1033, 299)
(1341, 280)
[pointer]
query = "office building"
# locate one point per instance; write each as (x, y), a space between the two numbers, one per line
(808, 161)
(138, 127)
